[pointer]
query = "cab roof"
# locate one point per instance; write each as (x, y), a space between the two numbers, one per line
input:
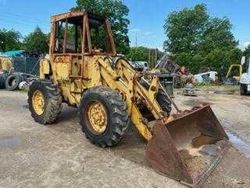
(72, 14)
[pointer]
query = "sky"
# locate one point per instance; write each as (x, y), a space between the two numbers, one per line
(146, 16)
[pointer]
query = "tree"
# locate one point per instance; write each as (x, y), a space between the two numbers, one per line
(142, 54)
(117, 13)
(198, 40)
(247, 51)
(36, 42)
(138, 54)
(9, 40)
(184, 29)
(217, 34)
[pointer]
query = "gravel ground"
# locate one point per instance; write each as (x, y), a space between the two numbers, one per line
(59, 155)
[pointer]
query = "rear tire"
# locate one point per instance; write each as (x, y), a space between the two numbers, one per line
(114, 119)
(164, 102)
(161, 98)
(51, 100)
(243, 89)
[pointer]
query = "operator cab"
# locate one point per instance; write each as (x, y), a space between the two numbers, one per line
(81, 33)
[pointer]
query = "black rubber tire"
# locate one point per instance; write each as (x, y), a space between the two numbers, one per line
(53, 101)
(3, 77)
(116, 110)
(161, 98)
(243, 89)
(164, 102)
(12, 82)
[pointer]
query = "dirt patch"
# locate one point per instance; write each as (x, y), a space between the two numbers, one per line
(232, 172)
(195, 102)
(9, 142)
(132, 148)
(59, 155)
(246, 104)
(195, 163)
(227, 92)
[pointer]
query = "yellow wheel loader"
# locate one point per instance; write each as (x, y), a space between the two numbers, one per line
(84, 70)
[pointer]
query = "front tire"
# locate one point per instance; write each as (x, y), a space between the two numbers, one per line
(45, 102)
(103, 116)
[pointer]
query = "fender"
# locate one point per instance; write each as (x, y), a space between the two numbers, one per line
(45, 68)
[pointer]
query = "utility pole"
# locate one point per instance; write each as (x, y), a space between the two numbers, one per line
(156, 54)
(149, 58)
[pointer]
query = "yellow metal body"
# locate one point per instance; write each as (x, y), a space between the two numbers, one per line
(233, 67)
(74, 73)
(5, 64)
(97, 72)
(38, 102)
(77, 68)
(97, 117)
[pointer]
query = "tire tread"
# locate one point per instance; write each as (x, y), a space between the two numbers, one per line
(119, 116)
(54, 102)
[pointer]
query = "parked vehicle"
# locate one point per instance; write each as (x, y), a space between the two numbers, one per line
(233, 75)
(245, 79)
(206, 77)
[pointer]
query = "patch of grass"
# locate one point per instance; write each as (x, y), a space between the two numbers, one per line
(215, 87)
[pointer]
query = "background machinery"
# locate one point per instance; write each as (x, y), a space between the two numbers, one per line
(245, 78)
(84, 70)
(5, 68)
(234, 77)
(234, 73)
(10, 79)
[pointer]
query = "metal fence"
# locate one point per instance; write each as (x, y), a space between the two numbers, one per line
(28, 65)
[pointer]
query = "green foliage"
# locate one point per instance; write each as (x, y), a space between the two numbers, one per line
(143, 53)
(36, 42)
(184, 29)
(9, 40)
(138, 54)
(217, 34)
(235, 56)
(200, 41)
(216, 59)
(220, 59)
(117, 13)
(247, 51)
(183, 58)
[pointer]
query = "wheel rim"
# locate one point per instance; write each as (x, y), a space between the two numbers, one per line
(97, 118)
(38, 102)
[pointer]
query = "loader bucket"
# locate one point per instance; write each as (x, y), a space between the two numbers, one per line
(189, 147)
